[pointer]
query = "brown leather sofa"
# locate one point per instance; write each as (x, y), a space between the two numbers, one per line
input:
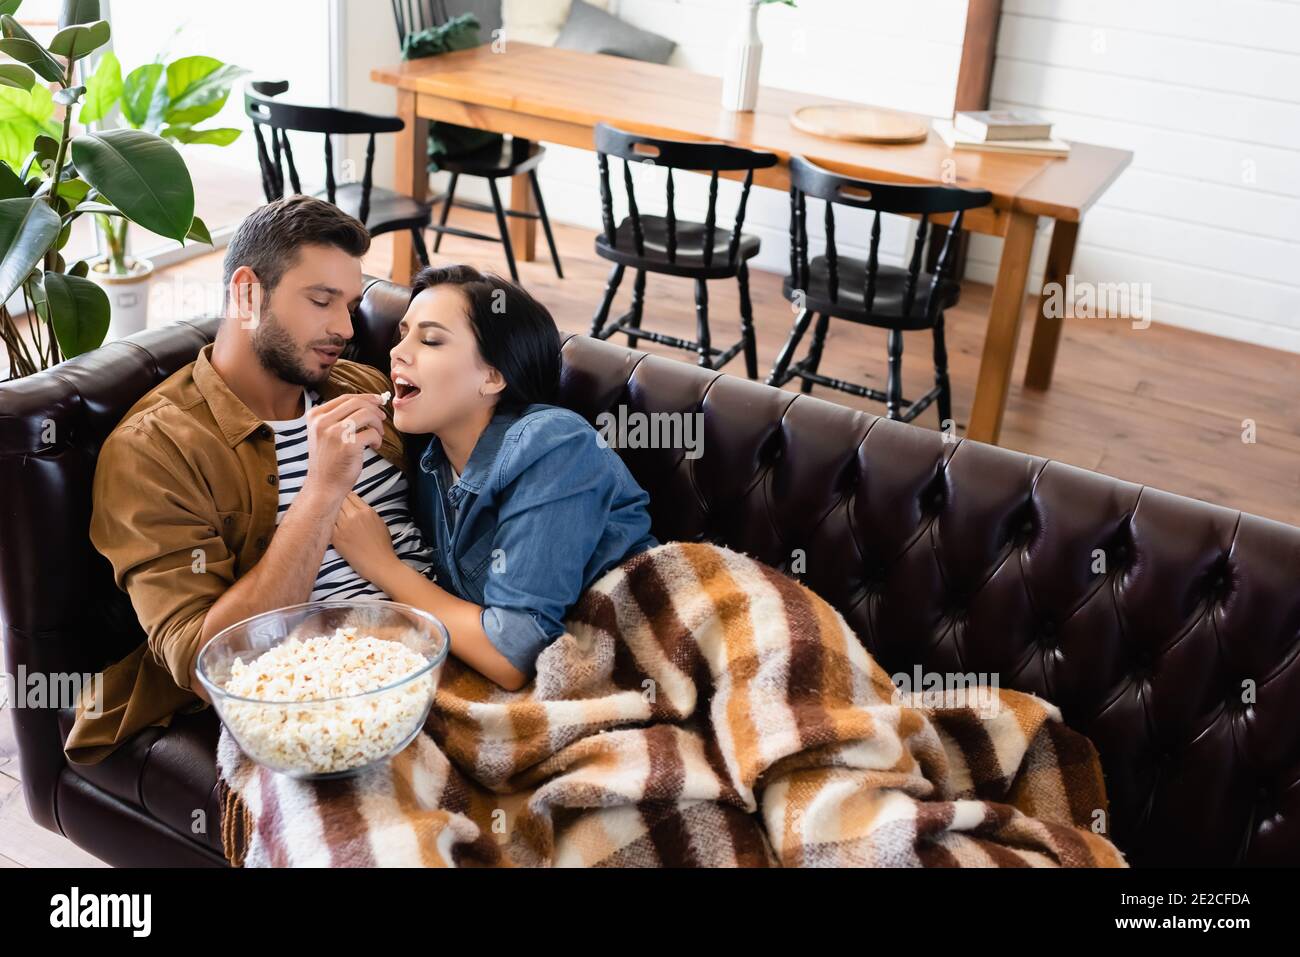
(958, 557)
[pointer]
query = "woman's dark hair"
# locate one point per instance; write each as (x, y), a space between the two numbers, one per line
(516, 334)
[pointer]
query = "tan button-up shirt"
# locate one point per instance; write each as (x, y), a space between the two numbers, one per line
(185, 499)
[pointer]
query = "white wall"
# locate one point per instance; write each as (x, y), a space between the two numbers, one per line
(1206, 94)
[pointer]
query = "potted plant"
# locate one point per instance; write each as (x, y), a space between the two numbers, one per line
(168, 100)
(744, 59)
(49, 178)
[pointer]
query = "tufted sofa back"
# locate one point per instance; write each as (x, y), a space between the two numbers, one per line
(1166, 629)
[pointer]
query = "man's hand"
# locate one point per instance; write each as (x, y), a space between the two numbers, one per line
(338, 432)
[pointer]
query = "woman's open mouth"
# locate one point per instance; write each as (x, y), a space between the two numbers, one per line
(404, 390)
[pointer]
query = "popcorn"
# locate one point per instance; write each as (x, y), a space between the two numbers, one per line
(338, 726)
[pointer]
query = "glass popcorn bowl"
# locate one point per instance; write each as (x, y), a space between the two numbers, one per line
(326, 689)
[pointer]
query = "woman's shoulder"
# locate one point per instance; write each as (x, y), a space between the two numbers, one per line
(542, 430)
(539, 422)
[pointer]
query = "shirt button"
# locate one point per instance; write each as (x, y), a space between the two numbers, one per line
(271, 480)
(264, 431)
(228, 521)
(261, 542)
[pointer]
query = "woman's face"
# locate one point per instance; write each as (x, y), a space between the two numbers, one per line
(439, 378)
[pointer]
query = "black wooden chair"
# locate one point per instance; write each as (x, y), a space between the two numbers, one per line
(869, 292)
(665, 244)
(512, 157)
(379, 210)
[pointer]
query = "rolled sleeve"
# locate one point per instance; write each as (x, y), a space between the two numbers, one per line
(516, 635)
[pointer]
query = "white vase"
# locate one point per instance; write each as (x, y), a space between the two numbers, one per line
(744, 58)
(128, 296)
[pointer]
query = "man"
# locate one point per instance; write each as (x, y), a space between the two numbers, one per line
(214, 498)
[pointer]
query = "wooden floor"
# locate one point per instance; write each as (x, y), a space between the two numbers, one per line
(1159, 406)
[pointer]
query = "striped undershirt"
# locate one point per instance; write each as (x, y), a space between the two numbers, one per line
(381, 485)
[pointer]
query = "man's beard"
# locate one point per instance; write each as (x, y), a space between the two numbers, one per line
(280, 354)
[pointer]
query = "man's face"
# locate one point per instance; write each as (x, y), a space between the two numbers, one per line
(307, 320)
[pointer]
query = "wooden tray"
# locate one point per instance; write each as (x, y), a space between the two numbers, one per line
(861, 124)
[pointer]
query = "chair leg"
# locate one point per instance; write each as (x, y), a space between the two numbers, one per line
(944, 400)
(778, 375)
(504, 227)
(894, 391)
(702, 322)
(638, 306)
(546, 223)
(421, 251)
(747, 323)
(815, 350)
(611, 287)
(446, 208)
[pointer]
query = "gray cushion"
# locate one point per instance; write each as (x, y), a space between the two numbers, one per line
(487, 12)
(592, 30)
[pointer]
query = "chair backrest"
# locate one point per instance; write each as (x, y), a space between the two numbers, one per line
(808, 179)
(715, 158)
(280, 117)
(411, 16)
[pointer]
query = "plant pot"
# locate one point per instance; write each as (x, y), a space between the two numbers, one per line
(128, 295)
(744, 58)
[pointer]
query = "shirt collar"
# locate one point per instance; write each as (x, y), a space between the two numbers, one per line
(236, 420)
(479, 466)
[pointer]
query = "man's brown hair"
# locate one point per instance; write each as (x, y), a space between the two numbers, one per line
(268, 239)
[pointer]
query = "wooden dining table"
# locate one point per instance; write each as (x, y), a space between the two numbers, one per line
(559, 96)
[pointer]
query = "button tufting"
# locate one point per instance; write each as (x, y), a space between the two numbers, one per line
(1047, 632)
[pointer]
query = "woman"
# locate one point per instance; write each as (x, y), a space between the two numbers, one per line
(522, 503)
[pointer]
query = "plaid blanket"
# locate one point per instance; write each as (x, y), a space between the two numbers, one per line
(702, 710)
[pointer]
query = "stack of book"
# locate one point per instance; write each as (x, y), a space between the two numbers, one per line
(1001, 131)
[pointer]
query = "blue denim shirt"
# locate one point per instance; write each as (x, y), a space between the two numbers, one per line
(542, 510)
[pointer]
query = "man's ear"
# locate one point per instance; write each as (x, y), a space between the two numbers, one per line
(245, 294)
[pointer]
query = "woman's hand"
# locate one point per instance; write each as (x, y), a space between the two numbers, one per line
(363, 539)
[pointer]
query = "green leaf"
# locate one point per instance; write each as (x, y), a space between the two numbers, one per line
(78, 11)
(80, 268)
(73, 190)
(91, 206)
(103, 89)
(197, 88)
(27, 228)
(77, 41)
(69, 95)
(142, 175)
(138, 91)
(18, 76)
(199, 232)
(10, 6)
(11, 186)
(79, 311)
(219, 136)
(23, 117)
(22, 46)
